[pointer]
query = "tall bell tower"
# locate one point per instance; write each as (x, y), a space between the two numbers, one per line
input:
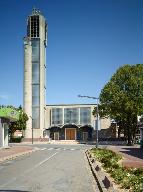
(35, 44)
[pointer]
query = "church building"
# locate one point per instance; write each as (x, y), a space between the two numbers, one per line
(52, 122)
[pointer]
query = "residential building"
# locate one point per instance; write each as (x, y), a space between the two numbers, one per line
(7, 115)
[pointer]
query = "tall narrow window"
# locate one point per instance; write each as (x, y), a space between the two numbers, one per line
(36, 83)
(85, 115)
(57, 116)
(71, 115)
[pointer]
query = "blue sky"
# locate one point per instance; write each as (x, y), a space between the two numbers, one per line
(88, 40)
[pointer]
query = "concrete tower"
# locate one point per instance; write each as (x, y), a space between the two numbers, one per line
(35, 74)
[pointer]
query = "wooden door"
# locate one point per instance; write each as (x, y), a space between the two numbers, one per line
(70, 134)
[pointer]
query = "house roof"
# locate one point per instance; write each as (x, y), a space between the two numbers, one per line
(9, 113)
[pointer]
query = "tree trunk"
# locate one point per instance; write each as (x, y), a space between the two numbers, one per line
(119, 132)
(129, 135)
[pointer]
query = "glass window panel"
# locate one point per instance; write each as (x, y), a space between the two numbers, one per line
(71, 115)
(35, 73)
(35, 101)
(35, 90)
(35, 83)
(85, 115)
(35, 117)
(57, 116)
(35, 50)
(35, 61)
(35, 95)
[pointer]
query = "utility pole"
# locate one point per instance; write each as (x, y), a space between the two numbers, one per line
(97, 115)
(32, 129)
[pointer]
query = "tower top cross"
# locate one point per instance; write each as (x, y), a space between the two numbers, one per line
(35, 11)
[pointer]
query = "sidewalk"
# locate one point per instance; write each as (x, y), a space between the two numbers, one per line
(132, 155)
(15, 151)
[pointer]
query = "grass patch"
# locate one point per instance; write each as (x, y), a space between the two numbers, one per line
(131, 179)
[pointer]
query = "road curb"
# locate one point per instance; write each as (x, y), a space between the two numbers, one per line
(103, 182)
(14, 156)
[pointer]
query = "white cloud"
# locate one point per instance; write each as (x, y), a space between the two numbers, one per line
(5, 97)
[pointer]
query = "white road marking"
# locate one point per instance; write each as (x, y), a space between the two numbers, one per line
(50, 149)
(39, 164)
(27, 171)
(57, 149)
(43, 149)
(63, 149)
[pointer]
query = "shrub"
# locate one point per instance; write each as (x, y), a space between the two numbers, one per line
(130, 178)
(118, 175)
(15, 139)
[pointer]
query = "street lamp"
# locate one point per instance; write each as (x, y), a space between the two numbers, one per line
(32, 129)
(97, 115)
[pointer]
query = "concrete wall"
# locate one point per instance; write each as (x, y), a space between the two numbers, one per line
(3, 134)
(28, 85)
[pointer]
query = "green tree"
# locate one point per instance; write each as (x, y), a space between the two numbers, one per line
(122, 98)
(21, 123)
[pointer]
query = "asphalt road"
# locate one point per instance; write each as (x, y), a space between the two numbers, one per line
(53, 168)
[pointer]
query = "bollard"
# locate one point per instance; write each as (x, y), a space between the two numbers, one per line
(107, 182)
(97, 168)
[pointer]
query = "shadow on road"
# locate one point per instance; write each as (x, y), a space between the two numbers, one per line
(13, 191)
(136, 152)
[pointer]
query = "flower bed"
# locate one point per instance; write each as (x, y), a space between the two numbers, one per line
(131, 179)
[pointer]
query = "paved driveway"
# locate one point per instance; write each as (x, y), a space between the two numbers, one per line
(54, 168)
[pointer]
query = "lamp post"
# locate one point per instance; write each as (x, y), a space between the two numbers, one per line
(97, 115)
(32, 129)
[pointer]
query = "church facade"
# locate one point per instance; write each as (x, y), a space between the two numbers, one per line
(52, 122)
(72, 122)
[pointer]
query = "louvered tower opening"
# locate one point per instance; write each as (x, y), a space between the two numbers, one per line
(33, 26)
